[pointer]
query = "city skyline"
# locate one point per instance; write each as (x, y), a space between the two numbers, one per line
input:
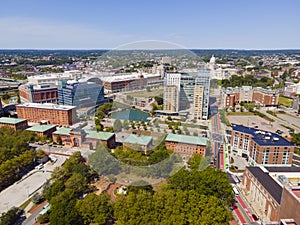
(194, 25)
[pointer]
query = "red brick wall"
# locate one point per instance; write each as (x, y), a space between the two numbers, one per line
(53, 116)
(186, 149)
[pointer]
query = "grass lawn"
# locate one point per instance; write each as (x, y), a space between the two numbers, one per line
(287, 102)
(240, 113)
(144, 94)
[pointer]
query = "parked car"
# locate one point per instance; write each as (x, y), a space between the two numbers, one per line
(39, 167)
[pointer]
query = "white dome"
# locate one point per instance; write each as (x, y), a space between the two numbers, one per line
(212, 59)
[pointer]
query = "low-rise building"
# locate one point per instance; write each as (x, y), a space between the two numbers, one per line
(261, 147)
(43, 93)
(14, 123)
(84, 138)
(140, 143)
(107, 139)
(128, 82)
(265, 97)
(43, 130)
(273, 193)
(185, 144)
(62, 115)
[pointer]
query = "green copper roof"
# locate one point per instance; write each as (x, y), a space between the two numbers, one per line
(41, 128)
(98, 135)
(63, 131)
(193, 140)
(11, 120)
(140, 140)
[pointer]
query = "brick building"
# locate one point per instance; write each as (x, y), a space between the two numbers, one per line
(126, 82)
(261, 147)
(140, 143)
(44, 93)
(14, 123)
(273, 193)
(84, 138)
(50, 113)
(186, 145)
(265, 97)
(43, 130)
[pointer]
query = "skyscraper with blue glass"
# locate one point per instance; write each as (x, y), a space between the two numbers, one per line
(80, 94)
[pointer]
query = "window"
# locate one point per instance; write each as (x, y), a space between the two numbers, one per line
(285, 157)
(265, 158)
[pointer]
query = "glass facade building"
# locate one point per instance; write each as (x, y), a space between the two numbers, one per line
(193, 92)
(80, 94)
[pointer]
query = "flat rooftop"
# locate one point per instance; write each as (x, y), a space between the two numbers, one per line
(41, 128)
(63, 131)
(267, 182)
(280, 169)
(139, 140)
(8, 120)
(124, 77)
(101, 135)
(261, 137)
(46, 106)
(192, 140)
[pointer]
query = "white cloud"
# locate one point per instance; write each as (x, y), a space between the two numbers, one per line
(32, 34)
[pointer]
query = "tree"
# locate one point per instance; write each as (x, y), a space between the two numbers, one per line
(10, 217)
(59, 140)
(117, 125)
(159, 100)
(36, 198)
(126, 124)
(103, 162)
(63, 211)
(77, 183)
(99, 127)
(95, 209)
(194, 161)
(139, 185)
(57, 187)
(109, 129)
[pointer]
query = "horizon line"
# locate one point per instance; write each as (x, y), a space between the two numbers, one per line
(113, 49)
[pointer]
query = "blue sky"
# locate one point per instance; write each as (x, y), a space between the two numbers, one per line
(97, 24)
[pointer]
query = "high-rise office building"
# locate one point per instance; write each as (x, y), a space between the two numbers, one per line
(171, 92)
(80, 94)
(198, 101)
(203, 80)
(191, 92)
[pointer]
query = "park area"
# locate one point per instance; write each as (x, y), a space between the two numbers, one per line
(287, 102)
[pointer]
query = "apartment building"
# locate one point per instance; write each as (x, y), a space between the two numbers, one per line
(265, 97)
(261, 147)
(44, 93)
(49, 113)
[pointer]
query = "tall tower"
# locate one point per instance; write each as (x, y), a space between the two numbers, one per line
(172, 92)
(203, 80)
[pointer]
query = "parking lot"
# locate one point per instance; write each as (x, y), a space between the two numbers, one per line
(18, 193)
(260, 123)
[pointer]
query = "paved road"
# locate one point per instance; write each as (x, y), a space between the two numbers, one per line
(63, 150)
(35, 213)
(19, 192)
